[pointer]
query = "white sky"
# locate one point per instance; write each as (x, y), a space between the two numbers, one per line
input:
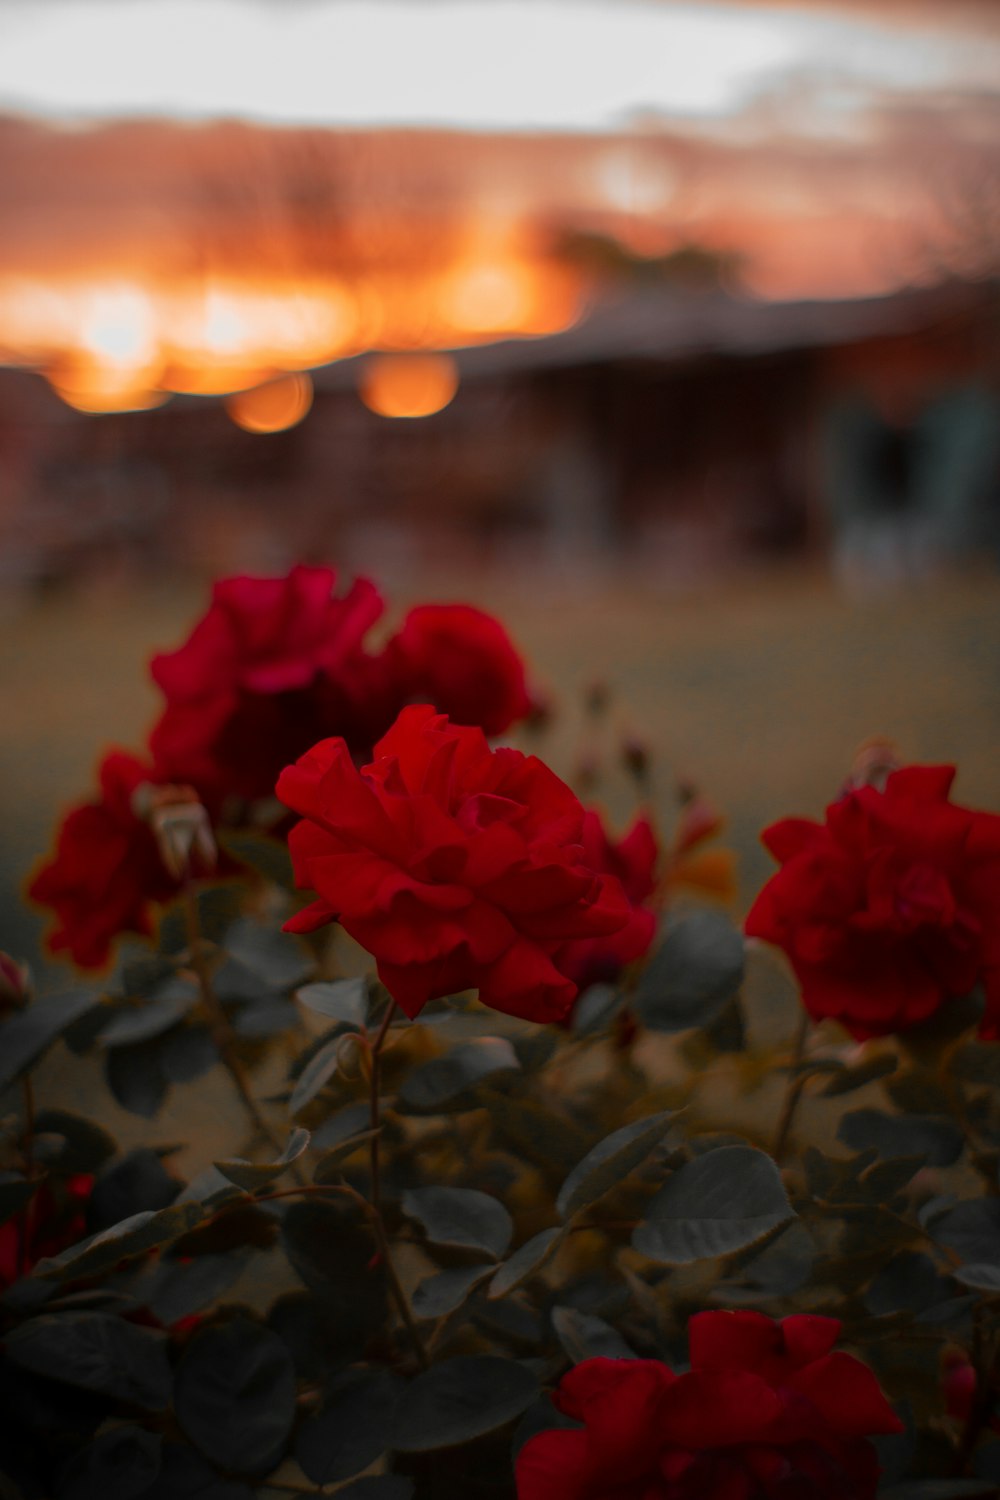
(488, 64)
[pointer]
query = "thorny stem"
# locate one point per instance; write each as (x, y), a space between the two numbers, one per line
(378, 1227)
(796, 1087)
(24, 1220)
(222, 1032)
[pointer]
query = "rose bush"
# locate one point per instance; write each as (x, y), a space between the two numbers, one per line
(891, 908)
(406, 1231)
(107, 872)
(457, 867)
(767, 1409)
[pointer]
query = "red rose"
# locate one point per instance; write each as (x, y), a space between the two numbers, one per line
(456, 866)
(890, 909)
(632, 860)
(274, 665)
(464, 662)
(107, 869)
(53, 1219)
(766, 1410)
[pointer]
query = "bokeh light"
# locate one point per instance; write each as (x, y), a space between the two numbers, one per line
(408, 385)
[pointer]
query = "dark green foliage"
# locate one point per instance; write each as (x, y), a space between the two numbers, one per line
(526, 1260)
(714, 1205)
(461, 1399)
(253, 1175)
(138, 1183)
(15, 1192)
(460, 1217)
(584, 1336)
(691, 975)
(450, 1084)
(609, 1161)
(438, 1295)
(30, 1033)
(346, 1000)
(135, 1076)
(80, 1144)
(352, 1428)
(133, 1236)
(122, 1463)
(936, 1139)
(333, 1253)
(97, 1352)
(235, 1396)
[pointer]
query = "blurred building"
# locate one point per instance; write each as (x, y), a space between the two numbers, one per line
(682, 431)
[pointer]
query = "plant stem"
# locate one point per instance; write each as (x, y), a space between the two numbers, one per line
(28, 1146)
(378, 1226)
(796, 1086)
(222, 1032)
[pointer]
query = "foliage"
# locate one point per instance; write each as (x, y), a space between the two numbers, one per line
(418, 1227)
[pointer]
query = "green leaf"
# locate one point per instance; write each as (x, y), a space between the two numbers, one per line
(692, 974)
(344, 1000)
(448, 1084)
(552, 1140)
(133, 1236)
(30, 1033)
(188, 1054)
(714, 1205)
(584, 1336)
(96, 1352)
(525, 1261)
(461, 1399)
(316, 1073)
(272, 956)
(972, 1231)
(595, 1010)
(150, 1017)
(15, 1192)
(269, 857)
(610, 1161)
(938, 1140)
(178, 1288)
(235, 1395)
(251, 1175)
(438, 1295)
(846, 1080)
(332, 1253)
(135, 1077)
(186, 1474)
(355, 1119)
(462, 1217)
(983, 1278)
(86, 1146)
(123, 1462)
(909, 1282)
(329, 1166)
(352, 1429)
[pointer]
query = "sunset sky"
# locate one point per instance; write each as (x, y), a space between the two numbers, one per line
(483, 64)
(175, 170)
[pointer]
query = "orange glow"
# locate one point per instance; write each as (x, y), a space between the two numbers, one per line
(272, 407)
(408, 385)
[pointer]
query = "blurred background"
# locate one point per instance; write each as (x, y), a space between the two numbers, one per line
(667, 330)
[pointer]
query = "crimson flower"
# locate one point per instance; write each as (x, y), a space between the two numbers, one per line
(464, 662)
(632, 861)
(455, 865)
(891, 908)
(767, 1411)
(52, 1220)
(274, 665)
(107, 871)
